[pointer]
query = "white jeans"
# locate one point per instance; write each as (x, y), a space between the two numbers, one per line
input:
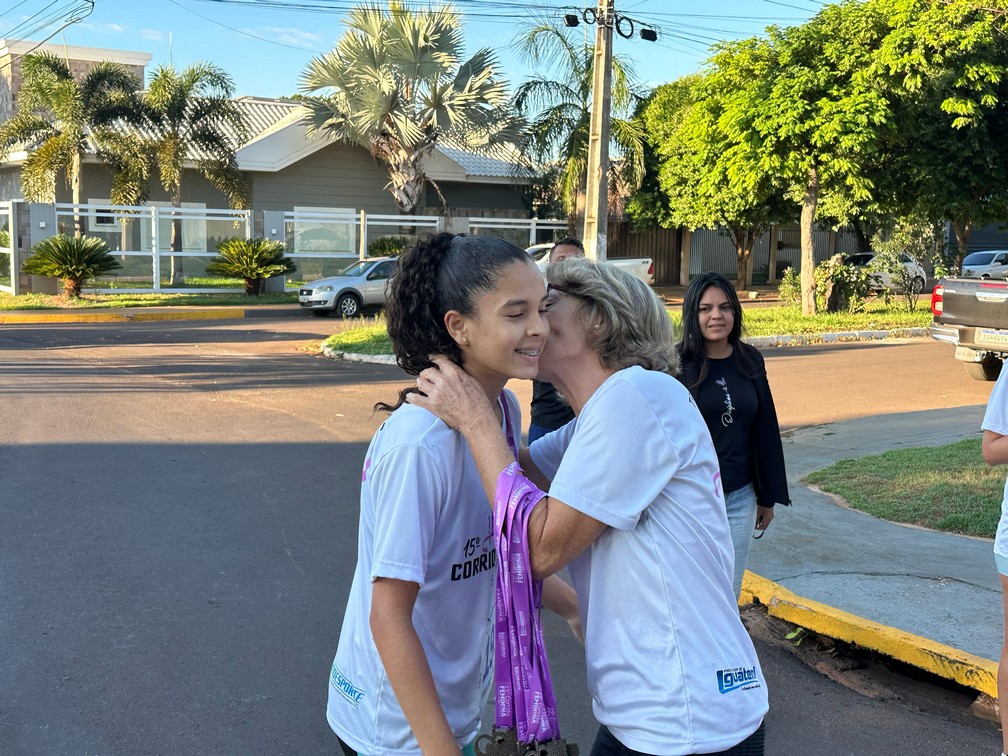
(741, 507)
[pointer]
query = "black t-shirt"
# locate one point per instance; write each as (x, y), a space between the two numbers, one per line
(548, 409)
(728, 402)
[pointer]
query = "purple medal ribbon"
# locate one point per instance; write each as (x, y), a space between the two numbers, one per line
(522, 682)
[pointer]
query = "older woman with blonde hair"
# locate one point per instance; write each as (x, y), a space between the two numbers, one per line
(635, 510)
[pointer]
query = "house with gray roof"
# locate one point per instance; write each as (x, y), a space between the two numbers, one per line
(287, 169)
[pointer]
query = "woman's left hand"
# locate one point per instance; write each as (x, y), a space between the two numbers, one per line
(764, 515)
(451, 394)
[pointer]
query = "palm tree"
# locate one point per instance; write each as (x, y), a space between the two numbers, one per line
(57, 115)
(559, 113)
(395, 86)
(188, 118)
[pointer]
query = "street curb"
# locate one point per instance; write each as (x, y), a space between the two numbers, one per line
(213, 313)
(375, 359)
(763, 342)
(944, 661)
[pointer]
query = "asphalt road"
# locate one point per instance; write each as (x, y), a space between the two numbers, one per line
(178, 510)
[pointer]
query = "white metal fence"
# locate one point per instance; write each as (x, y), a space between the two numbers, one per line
(525, 232)
(140, 237)
(8, 242)
(324, 242)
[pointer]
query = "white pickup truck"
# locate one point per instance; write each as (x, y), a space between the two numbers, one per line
(641, 267)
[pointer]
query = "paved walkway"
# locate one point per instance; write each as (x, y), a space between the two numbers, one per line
(932, 585)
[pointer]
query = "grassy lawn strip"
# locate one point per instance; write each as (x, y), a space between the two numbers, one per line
(942, 487)
(760, 321)
(117, 301)
(362, 336)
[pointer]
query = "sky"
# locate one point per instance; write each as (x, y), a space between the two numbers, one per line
(266, 44)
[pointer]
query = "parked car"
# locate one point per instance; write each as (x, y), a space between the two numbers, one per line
(990, 264)
(882, 280)
(641, 267)
(363, 284)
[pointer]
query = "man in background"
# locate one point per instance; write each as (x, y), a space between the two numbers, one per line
(549, 411)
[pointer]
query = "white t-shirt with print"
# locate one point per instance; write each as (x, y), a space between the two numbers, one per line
(671, 669)
(996, 420)
(425, 519)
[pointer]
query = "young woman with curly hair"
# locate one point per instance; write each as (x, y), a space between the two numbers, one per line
(414, 663)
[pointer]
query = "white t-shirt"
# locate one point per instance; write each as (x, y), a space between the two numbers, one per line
(424, 518)
(996, 420)
(671, 669)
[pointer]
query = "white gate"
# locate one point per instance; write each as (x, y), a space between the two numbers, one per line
(140, 236)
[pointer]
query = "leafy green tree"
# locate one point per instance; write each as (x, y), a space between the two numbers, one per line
(185, 116)
(710, 177)
(74, 259)
(557, 105)
(809, 106)
(948, 67)
(253, 260)
(648, 205)
(396, 85)
(57, 115)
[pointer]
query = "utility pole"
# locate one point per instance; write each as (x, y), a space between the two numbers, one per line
(596, 218)
(597, 189)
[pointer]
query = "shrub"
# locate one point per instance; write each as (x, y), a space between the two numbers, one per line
(901, 278)
(388, 246)
(789, 288)
(252, 260)
(842, 287)
(74, 259)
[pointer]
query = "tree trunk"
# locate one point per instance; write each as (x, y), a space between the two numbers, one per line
(75, 193)
(72, 287)
(809, 202)
(745, 238)
(962, 231)
(177, 275)
(862, 235)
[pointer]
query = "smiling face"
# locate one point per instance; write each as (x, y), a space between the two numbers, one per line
(505, 334)
(567, 340)
(716, 316)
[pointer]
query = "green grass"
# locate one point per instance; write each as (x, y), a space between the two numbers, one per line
(362, 336)
(788, 320)
(113, 301)
(943, 487)
(759, 321)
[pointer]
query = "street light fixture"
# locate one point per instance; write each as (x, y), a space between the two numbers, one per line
(570, 20)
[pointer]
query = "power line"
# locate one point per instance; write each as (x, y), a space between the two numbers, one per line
(245, 33)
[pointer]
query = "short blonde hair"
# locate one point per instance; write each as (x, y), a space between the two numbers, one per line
(625, 322)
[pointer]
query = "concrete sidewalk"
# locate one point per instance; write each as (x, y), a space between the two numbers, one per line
(928, 598)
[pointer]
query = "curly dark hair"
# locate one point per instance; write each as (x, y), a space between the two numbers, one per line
(439, 273)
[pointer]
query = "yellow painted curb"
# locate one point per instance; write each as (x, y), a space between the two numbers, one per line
(120, 316)
(218, 313)
(65, 317)
(950, 663)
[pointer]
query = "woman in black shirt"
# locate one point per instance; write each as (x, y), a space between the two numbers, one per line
(728, 380)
